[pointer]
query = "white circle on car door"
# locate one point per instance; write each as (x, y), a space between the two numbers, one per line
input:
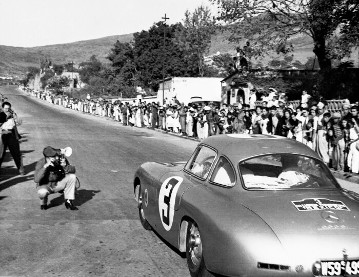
(167, 199)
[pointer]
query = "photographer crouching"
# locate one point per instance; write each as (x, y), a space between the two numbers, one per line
(53, 173)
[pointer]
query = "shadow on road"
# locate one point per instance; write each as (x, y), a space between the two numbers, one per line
(82, 196)
(19, 179)
(12, 173)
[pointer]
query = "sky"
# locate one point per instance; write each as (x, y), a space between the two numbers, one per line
(29, 23)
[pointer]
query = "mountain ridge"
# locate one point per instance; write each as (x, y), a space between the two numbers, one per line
(15, 60)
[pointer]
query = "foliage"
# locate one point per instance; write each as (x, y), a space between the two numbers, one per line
(69, 67)
(195, 36)
(30, 74)
(340, 83)
(122, 75)
(58, 68)
(48, 74)
(57, 83)
(311, 63)
(157, 55)
(89, 69)
(270, 24)
(224, 63)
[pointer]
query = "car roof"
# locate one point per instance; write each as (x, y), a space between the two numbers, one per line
(241, 146)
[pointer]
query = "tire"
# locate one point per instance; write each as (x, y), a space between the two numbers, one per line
(138, 194)
(194, 252)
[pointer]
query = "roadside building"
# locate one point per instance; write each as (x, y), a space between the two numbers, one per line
(184, 89)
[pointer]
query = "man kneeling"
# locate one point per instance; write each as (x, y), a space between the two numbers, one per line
(53, 173)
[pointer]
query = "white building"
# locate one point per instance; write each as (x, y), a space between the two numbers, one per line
(187, 88)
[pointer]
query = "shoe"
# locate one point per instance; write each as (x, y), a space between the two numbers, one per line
(43, 207)
(21, 170)
(70, 205)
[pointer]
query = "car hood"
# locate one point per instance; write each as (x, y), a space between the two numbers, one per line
(313, 225)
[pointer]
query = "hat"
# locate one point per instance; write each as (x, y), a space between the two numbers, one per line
(336, 115)
(320, 105)
(51, 152)
(206, 108)
(346, 106)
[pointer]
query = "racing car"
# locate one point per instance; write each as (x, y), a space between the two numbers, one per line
(252, 205)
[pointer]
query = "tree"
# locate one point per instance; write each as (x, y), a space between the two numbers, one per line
(271, 24)
(195, 37)
(69, 67)
(30, 74)
(224, 63)
(48, 74)
(89, 69)
(157, 55)
(58, 68)
(57, 83)
(123, 74)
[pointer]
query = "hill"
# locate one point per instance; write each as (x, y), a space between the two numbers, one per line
(15, 60)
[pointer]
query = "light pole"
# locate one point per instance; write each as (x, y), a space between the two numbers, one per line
(163, 62)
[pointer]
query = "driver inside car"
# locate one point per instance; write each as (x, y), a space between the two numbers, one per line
(202, 169)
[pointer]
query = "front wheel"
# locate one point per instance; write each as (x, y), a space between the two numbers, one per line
(138, 194)
(194, 252)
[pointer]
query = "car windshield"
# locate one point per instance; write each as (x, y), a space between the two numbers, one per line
(285, 171)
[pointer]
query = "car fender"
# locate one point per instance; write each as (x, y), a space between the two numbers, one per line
(228, 231)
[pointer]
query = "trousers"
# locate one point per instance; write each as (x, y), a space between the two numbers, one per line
(10, 141)
(67, 184)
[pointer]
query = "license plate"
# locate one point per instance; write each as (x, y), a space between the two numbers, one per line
(340, 268)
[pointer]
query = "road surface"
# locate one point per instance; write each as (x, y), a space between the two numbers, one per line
(104, 237)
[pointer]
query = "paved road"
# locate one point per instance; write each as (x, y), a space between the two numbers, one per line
(104, 237)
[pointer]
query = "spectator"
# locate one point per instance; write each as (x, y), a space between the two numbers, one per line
(264, 121)
(182, 113)
(311, 124)
(154, 117)
(256, 119)
(305, 99)
(161, 118)
(239, 126)
(338, 142)
(189, 122)
(353, 157)
(9, 136)
(252, 98)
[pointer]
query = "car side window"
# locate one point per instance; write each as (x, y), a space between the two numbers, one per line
(223, 173)
(201, 162)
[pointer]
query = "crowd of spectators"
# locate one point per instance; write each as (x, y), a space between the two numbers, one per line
(332, 134)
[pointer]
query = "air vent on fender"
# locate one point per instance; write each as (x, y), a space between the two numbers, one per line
(273, 266)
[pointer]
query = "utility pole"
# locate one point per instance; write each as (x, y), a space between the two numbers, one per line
(163, 62)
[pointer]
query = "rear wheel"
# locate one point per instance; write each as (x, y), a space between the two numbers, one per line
(139, 196)
(194, 252)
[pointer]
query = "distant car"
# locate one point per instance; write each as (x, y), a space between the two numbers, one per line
(252, 205)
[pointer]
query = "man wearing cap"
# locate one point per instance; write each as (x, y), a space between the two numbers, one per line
(54, 173)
